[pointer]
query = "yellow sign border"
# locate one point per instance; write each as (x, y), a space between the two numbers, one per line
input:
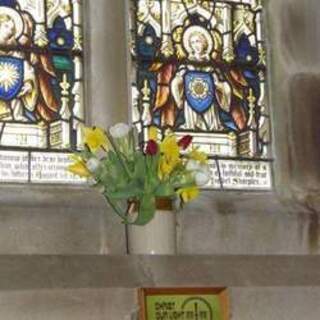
(221, 293)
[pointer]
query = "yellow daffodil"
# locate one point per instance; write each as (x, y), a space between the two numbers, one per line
(95, 138)
(197, 155)
(153, 133)
(170, 156)
(79, 168)
(166, 167)
(189, 194)
(169, 147)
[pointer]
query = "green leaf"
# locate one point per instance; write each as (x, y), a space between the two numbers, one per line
(165, 190)
(155, 163)
(140, 167)
(126, 192)
(147, 210)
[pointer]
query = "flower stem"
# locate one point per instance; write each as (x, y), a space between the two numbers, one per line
(116, 208)
(123, 164)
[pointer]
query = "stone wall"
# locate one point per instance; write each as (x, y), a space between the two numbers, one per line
(104, 287)
(74, 220)
(294, 70)
(120, 304)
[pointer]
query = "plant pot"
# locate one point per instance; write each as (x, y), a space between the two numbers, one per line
(158, 236)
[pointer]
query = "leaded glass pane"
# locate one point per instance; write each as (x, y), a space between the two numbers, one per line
(41, 89)
(199, 68)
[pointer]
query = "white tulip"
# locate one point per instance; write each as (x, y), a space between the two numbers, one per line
(93, 164)
(193, 165)
(202, 176)
(120, 130)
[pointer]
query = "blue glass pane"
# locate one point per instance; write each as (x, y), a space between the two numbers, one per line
(60, 38)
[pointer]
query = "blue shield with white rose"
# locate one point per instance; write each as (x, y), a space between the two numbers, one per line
(199, 90)
(11, 77)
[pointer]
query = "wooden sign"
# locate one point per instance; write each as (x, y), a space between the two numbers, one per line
(184, 304)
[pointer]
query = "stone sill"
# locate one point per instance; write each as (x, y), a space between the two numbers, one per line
(98, 272)
(82, 196)
(56, 220)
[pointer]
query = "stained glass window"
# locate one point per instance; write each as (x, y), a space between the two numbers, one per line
(41, 88)
(199, 68)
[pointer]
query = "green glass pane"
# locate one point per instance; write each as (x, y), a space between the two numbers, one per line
(62, 63)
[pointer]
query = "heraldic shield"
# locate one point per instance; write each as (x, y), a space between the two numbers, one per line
(11, 77)
(200, 90)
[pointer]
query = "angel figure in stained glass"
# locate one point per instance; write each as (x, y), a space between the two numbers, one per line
(25, 77)
(195, 88)
(199, 94)
(200, 89)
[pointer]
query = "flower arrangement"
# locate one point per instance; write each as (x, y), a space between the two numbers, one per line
(125, 173)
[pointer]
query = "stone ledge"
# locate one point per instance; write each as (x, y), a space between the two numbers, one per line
(57, 220)
(121, 304)
(248, 223)
(90, 271)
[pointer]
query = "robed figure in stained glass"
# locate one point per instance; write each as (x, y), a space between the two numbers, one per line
(198, 90)
(26, 93)
(198, 94)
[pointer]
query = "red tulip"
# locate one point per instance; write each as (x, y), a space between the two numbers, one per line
(152, 148)
(185, 142)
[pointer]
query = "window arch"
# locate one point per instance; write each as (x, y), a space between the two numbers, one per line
(41, 89)
(199, 68)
